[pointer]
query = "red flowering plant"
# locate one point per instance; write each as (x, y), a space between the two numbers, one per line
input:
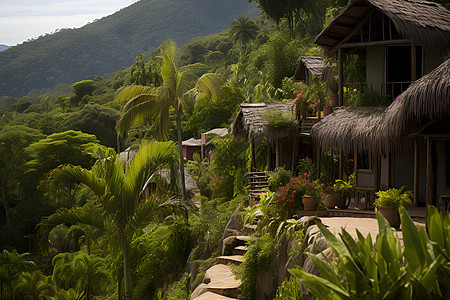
(314, 189)
(288, 199)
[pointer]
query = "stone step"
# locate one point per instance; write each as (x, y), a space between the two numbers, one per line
(230, 259)
(240, 250)
(212, 296)
(220, 280)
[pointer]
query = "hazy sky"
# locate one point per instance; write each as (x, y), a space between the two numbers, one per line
(21, 20)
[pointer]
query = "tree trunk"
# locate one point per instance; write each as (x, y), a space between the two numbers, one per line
(180, 151)
(127, 270)
(6, 206)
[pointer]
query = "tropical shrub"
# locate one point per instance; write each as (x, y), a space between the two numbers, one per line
(280, 120)
(259, 258)
(290, 289)
(279, 177)
(418, 270)
(288, 199)
(393, 197)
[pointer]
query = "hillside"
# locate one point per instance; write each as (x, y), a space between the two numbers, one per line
(111, 43)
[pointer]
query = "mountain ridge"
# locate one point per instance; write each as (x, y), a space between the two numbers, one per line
(111, 43)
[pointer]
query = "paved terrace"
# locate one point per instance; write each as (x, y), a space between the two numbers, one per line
(365, 221)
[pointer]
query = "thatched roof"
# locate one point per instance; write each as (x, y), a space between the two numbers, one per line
(419, 20)
(218, 131)
(250, 122)
(192, 142)
(351, 128)
(380, 130)
(313, 64)
(426, 99)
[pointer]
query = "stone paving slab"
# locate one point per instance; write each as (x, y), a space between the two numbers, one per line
(364, 225)
(212, 296)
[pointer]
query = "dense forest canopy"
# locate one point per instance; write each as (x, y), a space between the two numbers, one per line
(111, 43)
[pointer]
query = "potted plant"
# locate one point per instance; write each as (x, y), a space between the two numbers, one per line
(333, 87)
(331, 196)
(347, 190)
(388, 202)
(313, 194)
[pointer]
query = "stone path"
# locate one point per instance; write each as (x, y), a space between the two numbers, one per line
(219, 281)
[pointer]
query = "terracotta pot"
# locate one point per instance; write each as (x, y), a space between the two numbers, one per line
(309, 202)
(391, 215)
(342, 202)
(327, 110)
(334, 100)
(330, 199)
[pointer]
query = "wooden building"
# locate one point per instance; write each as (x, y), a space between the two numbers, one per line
(307, 67)
(252, 125)
(405, 144)
(398, 41)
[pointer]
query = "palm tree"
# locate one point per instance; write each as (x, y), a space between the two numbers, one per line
(142, 102)
(34, 286)
(11, 265)
(90, 273)
(243, 30)
(121, 207)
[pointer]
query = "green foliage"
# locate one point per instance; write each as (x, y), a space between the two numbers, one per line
(68, 147)
(346, 187)
(178, 289)
(243, 30)
(394, 197)
(111, 43)
(417, 270)
(230, 164)
(306, 167)
(257, 260)
(12, 264)
(260, 211)
(70, 294)
(290, 289)
(160, 256)
(95, 119)
(120, 209)
(208, 225)
(84, 87)
(278, 178)
(280, 120)
(34, 286)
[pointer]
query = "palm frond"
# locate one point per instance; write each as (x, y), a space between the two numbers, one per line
(69, 173)
(126, 93)
(210, 84)
(136, 115)
(143, 214)
(169, 71)
(88, 214)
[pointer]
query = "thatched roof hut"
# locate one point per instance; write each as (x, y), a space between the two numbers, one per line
(314, 65)
(251, 124)
(380, 130)
(418, 20)
(427, 99)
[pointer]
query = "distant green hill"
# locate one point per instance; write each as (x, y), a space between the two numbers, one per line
(111, 43)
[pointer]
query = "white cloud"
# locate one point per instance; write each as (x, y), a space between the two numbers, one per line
(21, 20)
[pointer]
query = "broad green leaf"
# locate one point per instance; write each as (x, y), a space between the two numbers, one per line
(320, 287)
(326, 270)
(414, 246)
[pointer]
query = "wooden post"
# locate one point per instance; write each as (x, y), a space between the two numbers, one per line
(340, 78)
(416, 172)
(269, 157)
(318, 160)
(277, 153)
(341, 164)
(253, 163)
(430, 173)
(294, 152)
